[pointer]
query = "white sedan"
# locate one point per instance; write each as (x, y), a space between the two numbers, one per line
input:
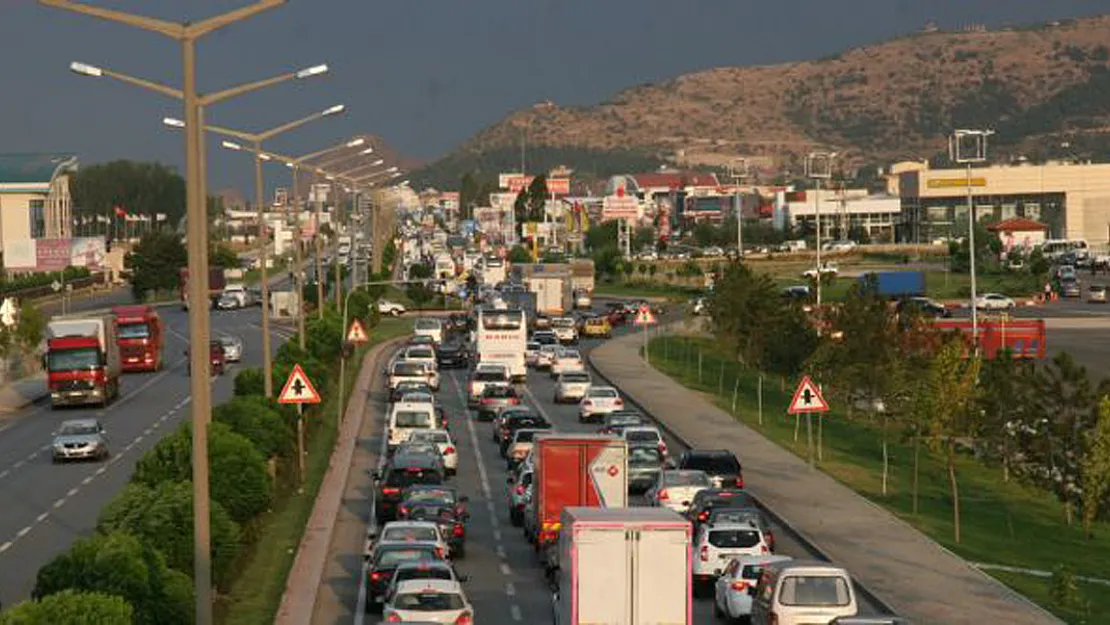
(731, 592)
(994, 301)
(447, 448)
(676, 488)
(566, 361)
(429, 601)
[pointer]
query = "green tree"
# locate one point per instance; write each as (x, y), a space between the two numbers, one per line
(71, 607)
(643, 238)
(1096, 468)
(220, 255)
(250, 381)
(120, 564)
(155, 263)
(537, 197)
(418, 293)
(519, 255)
(258, 419)
(134, 186)
(602, 236)
(162, 517)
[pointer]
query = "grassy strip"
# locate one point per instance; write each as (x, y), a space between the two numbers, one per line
(1002, 522)
(255, 595)
(646, 289)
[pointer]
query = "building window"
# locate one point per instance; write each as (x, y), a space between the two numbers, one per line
(38, 218)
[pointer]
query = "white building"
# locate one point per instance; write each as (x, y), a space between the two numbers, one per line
(34, 197)
(842, 211)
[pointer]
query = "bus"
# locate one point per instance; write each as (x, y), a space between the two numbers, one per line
(500, 337)
(1054, 248)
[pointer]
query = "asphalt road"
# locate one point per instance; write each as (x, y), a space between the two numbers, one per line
(47, 506)
(507, 584)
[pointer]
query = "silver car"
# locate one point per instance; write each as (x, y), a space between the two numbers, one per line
(80, 439)
(233, 348)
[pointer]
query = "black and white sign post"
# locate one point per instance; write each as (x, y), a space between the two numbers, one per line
(299, 390)
(645, 318)
(808, 400)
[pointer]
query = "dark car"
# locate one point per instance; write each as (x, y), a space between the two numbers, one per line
(457, 322)
(513, 422)
(707, 499)
(441, 505)
(387, 557)
(217, 358)
(494, 398)
(400, 473)
(617, 420)
(1070, 289)
(720, 465)
(409, 387)
(644, 465)
(541, 321)
(923, 306)
(453, 355)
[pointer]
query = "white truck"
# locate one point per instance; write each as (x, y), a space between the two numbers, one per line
(549, 294)
(623, 566)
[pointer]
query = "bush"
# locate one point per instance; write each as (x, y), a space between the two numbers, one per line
(250, 381)
(119, 564)
(162, 517)
(257, 419)
(238, 476)
(71, 607)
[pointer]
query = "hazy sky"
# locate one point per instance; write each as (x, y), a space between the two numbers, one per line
(424, 74)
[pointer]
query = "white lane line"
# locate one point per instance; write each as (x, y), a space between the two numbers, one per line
(497, 535)
(5, 546)
(138, 439)
(538, 405)
(510, 589)
(72, 492)
(514, 611)
(32, 456)
(61, 502)
(88, 480)
(505, 570)
(44, 448)
(42, 517)
(19, 464)
(4, 474)
(23, 532)
(473, 433)
(101, 470)
(500, 551)
(372, 521)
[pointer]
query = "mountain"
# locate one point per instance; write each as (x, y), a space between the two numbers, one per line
(1045, 90)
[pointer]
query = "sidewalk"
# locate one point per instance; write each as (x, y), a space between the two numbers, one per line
(916, 577)
(18, 394)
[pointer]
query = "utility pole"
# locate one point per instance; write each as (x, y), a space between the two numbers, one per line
(318, 238)
(819, 168)
(739, 171)
(968, 147)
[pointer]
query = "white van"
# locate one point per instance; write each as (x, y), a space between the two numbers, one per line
(797, 592)
(408, 417)
(429, 327)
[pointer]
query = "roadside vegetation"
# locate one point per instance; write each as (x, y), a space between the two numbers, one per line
(1005, 462)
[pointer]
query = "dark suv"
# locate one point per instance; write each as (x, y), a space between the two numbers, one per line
(720, 465)
(400, 473)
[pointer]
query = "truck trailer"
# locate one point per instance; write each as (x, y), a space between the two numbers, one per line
(82, 360)
(140, 336)
(216, 283)
(895, 284)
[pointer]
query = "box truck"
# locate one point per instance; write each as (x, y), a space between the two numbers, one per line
(624, 566)
(140, 336)
(82, 360)
(216, 283)
(896, 284)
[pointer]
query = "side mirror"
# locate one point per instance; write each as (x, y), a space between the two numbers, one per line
(463, 578)
(509, 480)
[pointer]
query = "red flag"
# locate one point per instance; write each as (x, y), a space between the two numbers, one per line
(120, 212)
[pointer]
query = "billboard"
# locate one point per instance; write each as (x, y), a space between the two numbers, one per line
(558, 186)
(55, 254)
(20, 255)
(493, 222)
(450, 200)
(620, 207)
(88, 252)
(51, 254)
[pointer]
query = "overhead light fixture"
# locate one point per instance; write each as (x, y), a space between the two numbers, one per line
(173, 122)
(354, 143)
(338, 108)
(231, 145)
(315, 70)
(85, 69)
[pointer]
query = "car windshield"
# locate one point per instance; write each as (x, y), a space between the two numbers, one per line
(625, 419)
(603, 393)
(418, 397)
(408, 369)
(420, 352)
(427, 324)
(430, 495)
(388, 558)
(73, 359)
(133, 331)
(412, 419)
(640, 436)
(644, 456)
(715, 464)
(562, 322)
(490, 376)
(77, 429)
(815, 590)
(571, 354)
(411, 476)
(530, 421)
(734, 539)
(737, 515)
(410, 533)
(524, 436)
(575, 378)
(686, 478)
(498, 392)
(532, 346)
(434, 437)
(428, 601)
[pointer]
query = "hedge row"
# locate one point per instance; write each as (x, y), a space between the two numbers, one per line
(138, 566)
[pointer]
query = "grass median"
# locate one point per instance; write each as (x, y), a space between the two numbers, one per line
(1003, 522)
(255, 595)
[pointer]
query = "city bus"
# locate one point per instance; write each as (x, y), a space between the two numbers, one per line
(501, 336)
(1054, 248)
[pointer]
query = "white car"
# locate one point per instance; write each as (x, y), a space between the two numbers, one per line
(531, 353)
(716, 545)
(598, 402)
(827, 270)
(700, 307)
(644, 435)
(233, 348)
(239, 292)
(392, 309)
(429, 601)
(567, 360)
(994, 301)
(405, 532)
(429, 327)
(546, 356)
(447, 447)
(572, 386)
(731, 596)
(405, 418)
(485, 374)
(422, 353)
(676, 488)
(565, 330)
(583, 299)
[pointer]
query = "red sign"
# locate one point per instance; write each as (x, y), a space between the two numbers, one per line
(52, 254)
(558, 186)
(516, 184)
(807, 399)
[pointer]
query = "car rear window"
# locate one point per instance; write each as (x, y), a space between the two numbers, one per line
(412, 419)
(607, 393)
(568, 353)
(687, 478)
(733, 539)
(501, 392)
(715, 464)
(420, 352)
(576, 378)
(533, 422)
(410, 533)
(421, 572)
(489, 376)
(408, 368)
(428, 601)
(815, 590)
(393, 557)
(636, 436)
(625, 419)
(412, 475)
(427, 324)
(525, 436)
(644, 456)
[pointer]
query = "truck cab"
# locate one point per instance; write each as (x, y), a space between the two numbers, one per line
(140, 336)
(82, 360)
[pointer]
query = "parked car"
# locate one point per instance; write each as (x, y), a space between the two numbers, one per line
(994, 301)
(393, 309)
(1096, 294)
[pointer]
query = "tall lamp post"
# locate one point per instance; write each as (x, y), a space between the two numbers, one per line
(819, 168)
(968, 147)
(738, 170)
(187, 35)
(256, 139)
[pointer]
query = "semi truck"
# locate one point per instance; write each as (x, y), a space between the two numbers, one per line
(553, 295)
(216, 284)
(586, 470)
(1023, 338)
(896, 284)
(624, 566)
(140, 336)
(82, 360)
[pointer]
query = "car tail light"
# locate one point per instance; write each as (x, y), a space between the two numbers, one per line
(703, 553)
(389, 490)
(457, 531)
(465, 619)
(663, 495)
(403, 511)
(739, 481)
(449, 450)
(393, 618)
(770, 538)
(377, 576)
(763, 548)
(703, 516)
(520, 489)
(514, 401)
(662, 448)
(739, 585)
(439, 553)
(618, 402)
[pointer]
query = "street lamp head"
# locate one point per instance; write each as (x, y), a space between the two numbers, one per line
(392, 169)
(85, 69)
(367, 151)
(231, 145)
(262, 156)
(329, 177)
(377, 162)
(315, 70)
(173, 122)
(354, 143)
(290, 165)
(335, 110)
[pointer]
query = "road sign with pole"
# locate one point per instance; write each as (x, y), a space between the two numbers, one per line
(644, 318)
(298, 390)
(808, 400)
(356, 333)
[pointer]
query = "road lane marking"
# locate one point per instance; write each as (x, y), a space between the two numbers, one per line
(88, 480)
(500, 551)
(101, 470)
(505, 570)
(73, 491)
(18, 464)
(4, 474)
(372, 520)
(23, 532)
(42, 517)
(514, 611)
(497, 535)
(510, 590)
(61, 502)
(32, 456)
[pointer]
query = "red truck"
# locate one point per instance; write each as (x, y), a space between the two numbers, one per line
(216, 284)
(1025, 338)
(82, 360)
(583, 470)
(141, 336)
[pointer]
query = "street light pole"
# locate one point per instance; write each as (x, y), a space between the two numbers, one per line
(967, 147)
(819, 168)
(740, 170)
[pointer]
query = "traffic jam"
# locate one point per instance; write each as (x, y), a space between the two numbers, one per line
(622, 527)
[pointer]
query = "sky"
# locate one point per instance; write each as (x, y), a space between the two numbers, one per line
(424, 74)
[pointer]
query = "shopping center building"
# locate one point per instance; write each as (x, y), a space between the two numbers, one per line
(1071, 199)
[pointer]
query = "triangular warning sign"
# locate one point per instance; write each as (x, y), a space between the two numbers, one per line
(297, 389)
(644, 316)
(807, 399)
(356, 334)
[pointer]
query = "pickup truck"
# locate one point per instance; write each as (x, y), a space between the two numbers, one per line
(828, 270)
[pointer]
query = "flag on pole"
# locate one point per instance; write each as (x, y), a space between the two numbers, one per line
(120, 212)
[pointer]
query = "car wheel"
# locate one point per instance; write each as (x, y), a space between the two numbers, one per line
(516, 517)
(459, 552)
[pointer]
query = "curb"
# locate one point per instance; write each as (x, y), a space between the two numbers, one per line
(302, 586)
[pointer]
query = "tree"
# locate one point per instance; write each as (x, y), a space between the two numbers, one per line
(155, 263)
(220, 255)
(537, 197)
(1096, 468)
(162, 517)
(120, 564)
(418, 293)
(260, 422)
(519, 255)
(71, 607)
(130, 185)
(250, 381)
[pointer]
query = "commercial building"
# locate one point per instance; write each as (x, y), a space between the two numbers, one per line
(1071, 199)
(34, 197)
(845, 213)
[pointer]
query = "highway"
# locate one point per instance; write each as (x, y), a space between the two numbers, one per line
(506, 582)
(47, 506)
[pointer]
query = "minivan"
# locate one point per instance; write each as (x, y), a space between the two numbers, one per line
(798, 592)
(406, 417)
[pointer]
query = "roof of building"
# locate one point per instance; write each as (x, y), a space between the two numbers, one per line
(1017, 224)
(675, 179)
(41, 167)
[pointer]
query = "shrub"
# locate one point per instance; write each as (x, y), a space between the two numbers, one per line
(238, 476)
(250, 381)
(162, 517)
(257, 419)
(71, 607)
(119, 564)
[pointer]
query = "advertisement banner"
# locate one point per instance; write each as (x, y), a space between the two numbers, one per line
(450, 200)
(88, 252)
(558, 186)
(620, 207)
(51, 254)
(19, 255)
